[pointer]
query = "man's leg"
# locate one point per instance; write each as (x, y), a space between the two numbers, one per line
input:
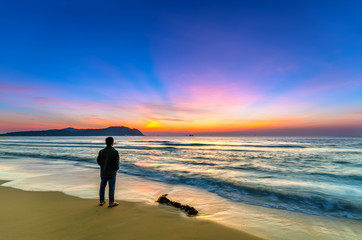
(112, 186)
(102, 189)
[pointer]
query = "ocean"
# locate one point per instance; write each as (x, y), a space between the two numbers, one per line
(224, 177)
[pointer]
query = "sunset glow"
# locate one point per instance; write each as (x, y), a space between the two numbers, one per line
(178, 68)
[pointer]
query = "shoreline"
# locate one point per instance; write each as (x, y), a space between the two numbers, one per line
(268, 223)
(265, 223)
(55, 215)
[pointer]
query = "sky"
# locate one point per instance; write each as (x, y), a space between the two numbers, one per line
(182, 67)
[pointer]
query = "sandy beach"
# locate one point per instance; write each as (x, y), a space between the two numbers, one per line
(54, 215)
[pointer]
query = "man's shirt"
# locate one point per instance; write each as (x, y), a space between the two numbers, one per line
(108, 159)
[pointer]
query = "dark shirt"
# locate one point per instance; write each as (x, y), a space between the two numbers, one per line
(108, 159)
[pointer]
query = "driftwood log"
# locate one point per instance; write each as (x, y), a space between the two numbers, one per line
(190, 211)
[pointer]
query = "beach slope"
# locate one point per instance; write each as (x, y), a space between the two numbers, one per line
(54, 215)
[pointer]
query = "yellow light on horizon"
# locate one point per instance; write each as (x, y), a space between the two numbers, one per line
(152, 124)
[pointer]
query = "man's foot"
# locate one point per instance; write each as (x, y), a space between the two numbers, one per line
(102, 203)
(113, 204)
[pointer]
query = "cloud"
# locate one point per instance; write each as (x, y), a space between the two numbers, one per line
(77, 105)
(12, 88)
(170, 119)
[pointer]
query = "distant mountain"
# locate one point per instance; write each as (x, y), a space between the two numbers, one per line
(110, 131)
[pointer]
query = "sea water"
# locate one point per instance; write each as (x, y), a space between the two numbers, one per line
(242, 182)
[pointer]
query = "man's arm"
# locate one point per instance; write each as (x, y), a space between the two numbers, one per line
(100, 158)
(116, 161)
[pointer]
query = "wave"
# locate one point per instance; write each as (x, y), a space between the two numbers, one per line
(170, 143)
(336, 176)
(273, 146)
(132, 147)
(306, 202)
(50, 156)
(51, 145)
(295, 173)
(342, 162)
(245, 167)
(146, 148)
(83, 159)
(188, 144)
(255, 195)
(25, 143)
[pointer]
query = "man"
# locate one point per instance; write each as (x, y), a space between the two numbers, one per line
(108, 159)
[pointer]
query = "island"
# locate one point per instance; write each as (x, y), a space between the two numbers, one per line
(110, 131)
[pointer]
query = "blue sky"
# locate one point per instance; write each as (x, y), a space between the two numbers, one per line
(176, 66)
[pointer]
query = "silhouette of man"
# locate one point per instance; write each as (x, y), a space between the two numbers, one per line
(108, 160)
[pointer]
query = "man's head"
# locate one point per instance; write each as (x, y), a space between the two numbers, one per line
(109, 141)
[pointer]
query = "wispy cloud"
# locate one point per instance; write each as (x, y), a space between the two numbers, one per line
(357, 112)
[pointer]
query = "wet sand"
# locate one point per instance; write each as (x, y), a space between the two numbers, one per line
(54, 215)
